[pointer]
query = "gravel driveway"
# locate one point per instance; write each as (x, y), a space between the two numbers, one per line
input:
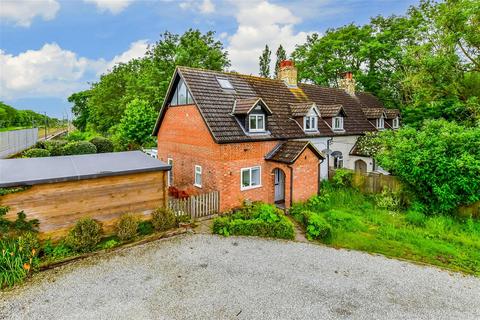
(210, 277)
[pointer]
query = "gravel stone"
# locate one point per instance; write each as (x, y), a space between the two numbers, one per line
(212, 277)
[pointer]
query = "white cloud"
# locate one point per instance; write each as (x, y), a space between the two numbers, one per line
(204, 6)
(260, 23)
(54, 72)
(137, 49)
(114, 6)
(22, 12)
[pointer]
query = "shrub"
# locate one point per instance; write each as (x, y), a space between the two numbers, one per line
(55, 147)
(387, 200)
(85, 235)
(163, 219)
(415, 218)
(103, 144)
(184, 219)
(145, 228)
(127, 227)
(36, 153)
(18, 226)
(110, 244)
(79, 147)
(342, 178)
(16, 261)
(55, 252)
(316, 227)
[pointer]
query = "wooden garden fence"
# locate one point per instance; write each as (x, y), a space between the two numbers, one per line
(196, 206)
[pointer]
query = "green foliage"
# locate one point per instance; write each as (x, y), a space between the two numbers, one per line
(440, 163)
(85, 135)
(55, 147)
(79, 147)
(163, 219)
(11, 117)
(18, 258)
(145, 228)
(146, 79)
(110, 244)
(387, 200)
(137, 123)
(184, 219)
(102, 144)
(85, 235)
(316, 227)
(264, 62)
(127, 227)
(342, 178)
(5, 191)
(357, 223)
(259, 219)
(17, 227)
(36, 153)
(281, 55)
(55, 252)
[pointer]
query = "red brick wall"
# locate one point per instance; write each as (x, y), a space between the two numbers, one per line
(184, 137)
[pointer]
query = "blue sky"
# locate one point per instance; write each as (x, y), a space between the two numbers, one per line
(52, 48)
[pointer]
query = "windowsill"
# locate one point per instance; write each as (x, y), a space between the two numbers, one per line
(312, 131)
(257, 131)
(338, 130)
(197, 185)
(250, 188)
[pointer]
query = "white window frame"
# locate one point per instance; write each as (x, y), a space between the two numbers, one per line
(380, 123)
(334, 120)
(256, 117)
(312, 120)
(242, 188)
(197, 171)
(170, 172)
(396, 123)
(338, 162)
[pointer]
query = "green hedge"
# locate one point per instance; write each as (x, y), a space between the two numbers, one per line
(36, 153)
(258, 220)
(316, 227)
(79, 147)
(103, 144)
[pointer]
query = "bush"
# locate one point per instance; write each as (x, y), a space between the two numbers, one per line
(79, 147)
(259, 219)
(85, 235)
(18, 226)
(56, 252)
(316, 227)
(415, 218)
(342, 178)
(55, 147)
(145, 228)
(127, 227)
(110, 244)
(387, 200)
(184, 219)
(163, 219)
(36, 153)
(103, 144)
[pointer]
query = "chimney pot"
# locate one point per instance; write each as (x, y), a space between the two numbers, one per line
(288, 73)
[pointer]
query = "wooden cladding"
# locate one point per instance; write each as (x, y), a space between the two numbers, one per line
(59, 205)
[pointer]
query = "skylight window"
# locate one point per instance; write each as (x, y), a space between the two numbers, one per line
(225, 84)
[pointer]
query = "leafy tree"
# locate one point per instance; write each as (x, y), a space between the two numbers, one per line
(440, 162)
(281, 55)
(80, 109)
(148, 78)
(264, 62)
(136, 125)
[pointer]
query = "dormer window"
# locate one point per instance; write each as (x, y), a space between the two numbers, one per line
(256, 122)
(337, 123)
(396, 123)
(380, 123)
(310, 123)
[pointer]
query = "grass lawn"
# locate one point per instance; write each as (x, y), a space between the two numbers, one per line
(358, 224)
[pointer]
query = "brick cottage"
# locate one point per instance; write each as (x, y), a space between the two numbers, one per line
(250, 137)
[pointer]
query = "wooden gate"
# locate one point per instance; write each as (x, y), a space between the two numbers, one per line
(197, 206)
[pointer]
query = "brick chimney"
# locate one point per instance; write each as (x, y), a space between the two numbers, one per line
(288, 73)
(347, 83)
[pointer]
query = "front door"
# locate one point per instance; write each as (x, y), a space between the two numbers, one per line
(279, 186)
(360, 166)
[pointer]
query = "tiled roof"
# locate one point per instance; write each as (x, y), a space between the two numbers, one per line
(289, 151)
(216, 105)
(368, 100)
(244, 106)
(329, 111)
(373, 113)
(356, 151)
(300, 109)
(392, 113)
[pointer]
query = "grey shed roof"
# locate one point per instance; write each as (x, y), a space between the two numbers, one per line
(31, 171)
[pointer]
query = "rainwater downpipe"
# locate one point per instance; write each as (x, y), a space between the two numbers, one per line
(291, 184)
(329, 141)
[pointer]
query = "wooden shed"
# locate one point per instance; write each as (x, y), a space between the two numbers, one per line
(67, 188)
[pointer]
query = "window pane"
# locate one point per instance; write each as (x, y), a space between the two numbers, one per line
(182, 92)
(246, 178)
(189, 97)
(260, 124)
(307, 123)
(253, 122)
(174, 99)
(256, 177)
